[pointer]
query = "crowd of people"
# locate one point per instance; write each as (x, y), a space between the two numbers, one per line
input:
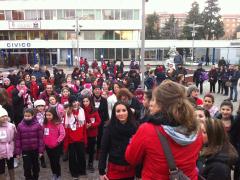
(100, 112)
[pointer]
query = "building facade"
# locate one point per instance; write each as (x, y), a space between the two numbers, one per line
(52, 32)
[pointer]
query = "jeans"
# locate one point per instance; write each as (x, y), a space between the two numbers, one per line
(201, 86)
(233, 89)
(31, 164)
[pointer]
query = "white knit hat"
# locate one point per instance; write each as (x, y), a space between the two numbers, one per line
(3, 112)
(39, 102)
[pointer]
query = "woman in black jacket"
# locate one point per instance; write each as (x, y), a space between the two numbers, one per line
(219, 154)
(114, 143)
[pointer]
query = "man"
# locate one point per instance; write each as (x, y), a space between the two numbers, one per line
(178, 59)
(48, 92)
(234, 76)
(37, 73)
(222, 62)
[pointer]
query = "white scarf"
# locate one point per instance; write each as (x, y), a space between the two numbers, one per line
(70, 120)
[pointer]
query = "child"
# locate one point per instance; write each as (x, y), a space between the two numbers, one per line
(7, 135)
(225, 115)
(93, 121)
(40, 106)
(54, 134)
(76, 138)
(59, 107)
(29, 143)
(65, 93)
(202, 114)
(208, 102)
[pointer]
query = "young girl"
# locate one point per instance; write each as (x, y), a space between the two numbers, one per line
(201, 114)
(54, 134)
(29, 143)
(208, 102)
(76, 138)
(115, 139)
(40, 107)
(93, 121)
(65, 93)
(59, 107)
(225, 115)
(219, 154)
(7, 135)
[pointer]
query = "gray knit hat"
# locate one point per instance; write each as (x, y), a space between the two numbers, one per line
(191, 89)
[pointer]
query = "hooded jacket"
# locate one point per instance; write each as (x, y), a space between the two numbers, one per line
(145, 146)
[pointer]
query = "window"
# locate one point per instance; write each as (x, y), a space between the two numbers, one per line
(71, 35)
(108, 35)
(108, 14)
(98, 14)
(17, 15)
(2, 16)
(62, 35)
(51, 35)
(136, 14)
(69, 14)
(109, 53)
(126, 14)
(21, 35)
(117, 14)
(88, 14)
(33, 14)
(118, 54)
(8, 15)
(125, 53)
(117, 35)
(89, 35)
(60, 14)
(126, 35)
(50, 14)
(79, 13)
(32, 35)
(4, 35)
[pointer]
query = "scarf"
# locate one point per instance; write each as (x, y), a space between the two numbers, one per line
(72, 119)
(162, 119)
(24, 89)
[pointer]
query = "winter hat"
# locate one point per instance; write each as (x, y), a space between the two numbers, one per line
(6, 79)
(39, 102)
(191, 89)
(3, 112)
(72, 99)
(86, 92)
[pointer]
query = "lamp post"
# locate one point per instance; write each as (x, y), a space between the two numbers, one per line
(143, 42)
(77, 31)
(193, 26)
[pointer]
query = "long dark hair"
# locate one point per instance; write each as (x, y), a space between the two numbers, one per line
(4, 98)
(55, 119)
(218, 140)
(130, 118)
(92, 106)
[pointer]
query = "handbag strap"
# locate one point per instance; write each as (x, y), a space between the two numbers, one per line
(167, 151)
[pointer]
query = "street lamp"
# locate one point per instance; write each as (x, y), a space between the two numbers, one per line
(193, 26)
(77, 31)
(143, 42)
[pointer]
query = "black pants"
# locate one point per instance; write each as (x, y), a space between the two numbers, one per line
(31, 164)
(10, 164)
(220, 86)
(212, 87)
(77, 160)
(226, 89)
(99, 137)
(91, 148)
(54, 158)
(201, 86)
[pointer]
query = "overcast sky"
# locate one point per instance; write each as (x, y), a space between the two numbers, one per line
(181, 6)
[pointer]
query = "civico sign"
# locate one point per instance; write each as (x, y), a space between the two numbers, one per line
(18, 45)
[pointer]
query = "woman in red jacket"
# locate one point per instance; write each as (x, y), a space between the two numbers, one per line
(115, 139)
(172, 114)
(92, 122)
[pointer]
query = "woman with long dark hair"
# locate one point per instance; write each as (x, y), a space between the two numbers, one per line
(114, 143)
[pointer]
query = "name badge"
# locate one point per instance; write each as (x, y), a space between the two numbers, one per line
(92, 120)
(97, 104)
(46, 131)
(3, 134)
(73, 127)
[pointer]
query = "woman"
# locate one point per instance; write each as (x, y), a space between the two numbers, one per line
(126, 96)
(213, 76)
(20, 99)
(114, 142)
(173, 115)
(145, 108)
(219, 154)
(208, 104)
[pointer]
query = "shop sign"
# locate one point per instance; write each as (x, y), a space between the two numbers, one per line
(24, 24)
(18, 45)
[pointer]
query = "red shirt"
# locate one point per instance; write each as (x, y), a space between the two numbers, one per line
(146, 147)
